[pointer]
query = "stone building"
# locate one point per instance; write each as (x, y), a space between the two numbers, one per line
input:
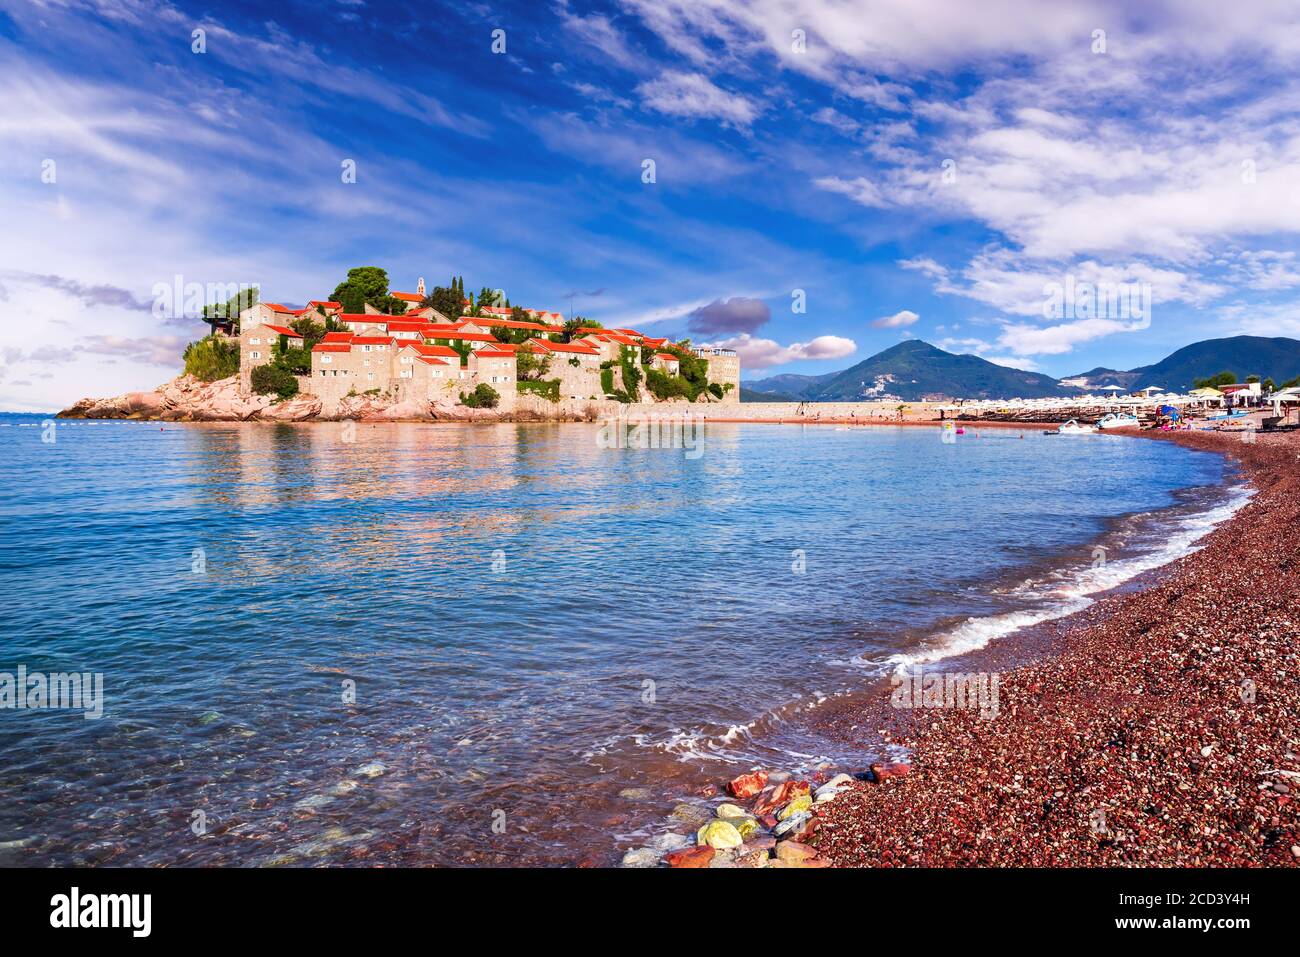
(258, 342)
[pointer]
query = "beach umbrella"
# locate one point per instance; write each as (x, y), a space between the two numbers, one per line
(1208, 393)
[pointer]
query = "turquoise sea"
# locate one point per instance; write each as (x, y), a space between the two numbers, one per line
(451, 644)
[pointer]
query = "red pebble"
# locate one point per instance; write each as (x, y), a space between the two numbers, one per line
(747, 785)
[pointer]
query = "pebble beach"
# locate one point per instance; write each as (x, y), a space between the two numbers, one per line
(1162, 730)
(1158, 728)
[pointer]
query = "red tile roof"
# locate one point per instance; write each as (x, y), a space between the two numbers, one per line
(331, 347)
(575, 347)
(496, 353)
(428, 350)
(373, 340)
(276, 307)
(282, 331)
(430, 360)
(327, 303)
(447, 332)
(514, 324)
(339, 337)
(666, 355)
(407, 296)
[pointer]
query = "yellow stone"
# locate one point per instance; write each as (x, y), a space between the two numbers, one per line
(719, 835)
(802, 803)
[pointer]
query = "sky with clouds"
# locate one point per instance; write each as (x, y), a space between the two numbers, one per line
(829, 177)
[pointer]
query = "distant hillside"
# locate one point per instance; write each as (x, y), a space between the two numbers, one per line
(912, 370)
(789, 385)
(1277, 359)
(753, 395)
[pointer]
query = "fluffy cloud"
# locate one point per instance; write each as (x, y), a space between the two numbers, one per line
(763, 353)
(738, 314)
(904, 317)
(694, 95)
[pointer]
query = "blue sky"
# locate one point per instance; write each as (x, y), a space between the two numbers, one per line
(798, 145)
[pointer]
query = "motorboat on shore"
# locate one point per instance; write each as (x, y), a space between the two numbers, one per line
(1072, 428)
(1118, 420)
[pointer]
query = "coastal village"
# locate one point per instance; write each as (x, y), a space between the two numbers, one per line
(490, 356)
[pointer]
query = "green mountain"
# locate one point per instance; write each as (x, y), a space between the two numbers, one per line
(914, 369)
(753, 395)
(1277, 359)
(789, 384)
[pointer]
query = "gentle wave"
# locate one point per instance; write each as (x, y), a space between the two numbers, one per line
(1069, 591)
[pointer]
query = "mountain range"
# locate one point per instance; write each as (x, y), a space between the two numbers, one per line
(913, 370)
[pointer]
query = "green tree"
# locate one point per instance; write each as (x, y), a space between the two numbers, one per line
(1268, 385)
(230, 309)
(531, 366)
(569, 331)
(371, 283)
(445, 300)
(275, 379)
(483, 397)
(212, 358)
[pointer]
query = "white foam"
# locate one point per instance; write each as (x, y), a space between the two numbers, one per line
(1069, 591)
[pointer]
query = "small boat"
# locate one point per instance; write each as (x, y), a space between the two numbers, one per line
(1074, 428)
(1118, 420)
(1226, 415)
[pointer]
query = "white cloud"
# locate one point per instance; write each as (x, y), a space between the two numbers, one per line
(694, 95)
(757, 353)
(904, 317)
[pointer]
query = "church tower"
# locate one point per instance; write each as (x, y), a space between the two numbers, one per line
(419, 287)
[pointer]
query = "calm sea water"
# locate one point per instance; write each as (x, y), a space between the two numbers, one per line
(533, 624)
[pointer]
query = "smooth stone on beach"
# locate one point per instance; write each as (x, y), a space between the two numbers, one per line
(835, 783)
(791, 823)
(372, 770)
(823, 795)
(745, 824)
(692, 815)
(670, 842)
(635, 794)
(641, 857)
(884, 770)
(778, 777)
(800, 804)
(719, 835)
(729, 810)
(792, 852)
(747, 785)
(700, 856)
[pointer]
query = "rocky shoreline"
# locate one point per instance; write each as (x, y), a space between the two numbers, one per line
(1161, 728)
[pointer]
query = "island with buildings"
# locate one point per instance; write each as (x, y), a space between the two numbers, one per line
(398, 356)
